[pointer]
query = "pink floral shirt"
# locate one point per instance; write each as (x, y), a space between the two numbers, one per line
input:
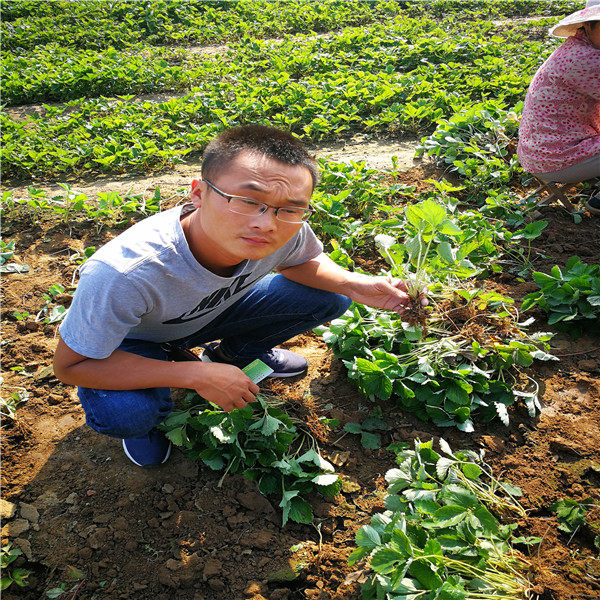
(560, 125)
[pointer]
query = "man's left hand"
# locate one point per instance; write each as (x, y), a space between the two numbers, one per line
(379, 292)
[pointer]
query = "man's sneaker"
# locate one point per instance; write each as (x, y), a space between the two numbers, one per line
(150, 450)
(284, 363)
(593, 204)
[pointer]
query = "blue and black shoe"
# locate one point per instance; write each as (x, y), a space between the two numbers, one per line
(284, 363)
(150, 450)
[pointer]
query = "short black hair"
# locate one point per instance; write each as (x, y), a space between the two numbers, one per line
(260, 139)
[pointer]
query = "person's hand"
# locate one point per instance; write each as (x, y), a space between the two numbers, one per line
(225, 385)
(388, 292)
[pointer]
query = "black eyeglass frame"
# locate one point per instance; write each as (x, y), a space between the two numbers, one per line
(229, 197)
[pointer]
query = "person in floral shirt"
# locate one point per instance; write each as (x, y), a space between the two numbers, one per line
(559, 134)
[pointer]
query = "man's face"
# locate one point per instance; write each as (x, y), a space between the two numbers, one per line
(220, 238)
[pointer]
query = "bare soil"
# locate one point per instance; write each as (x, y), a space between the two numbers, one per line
(171, 532)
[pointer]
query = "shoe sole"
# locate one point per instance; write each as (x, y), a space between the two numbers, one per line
(282, 375)
(135, 462)
(205, 358)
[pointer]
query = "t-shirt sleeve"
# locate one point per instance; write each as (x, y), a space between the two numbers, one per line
(105, 307)
(306, 247)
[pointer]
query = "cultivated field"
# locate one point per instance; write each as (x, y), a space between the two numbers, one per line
(450, 455)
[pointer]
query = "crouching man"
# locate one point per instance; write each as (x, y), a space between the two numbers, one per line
(201, 272)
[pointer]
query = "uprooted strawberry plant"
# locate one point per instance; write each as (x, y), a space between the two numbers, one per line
(261, 442)
(441, 536)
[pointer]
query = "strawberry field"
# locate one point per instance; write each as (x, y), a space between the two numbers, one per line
(450, 454)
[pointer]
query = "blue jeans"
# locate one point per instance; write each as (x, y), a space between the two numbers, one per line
(273, 311)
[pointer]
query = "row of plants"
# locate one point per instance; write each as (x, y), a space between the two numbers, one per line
(107, 207)
(54, 73)
(121, 23)
(114, 135)
(59, 73)
(485, 9)
(85, 24)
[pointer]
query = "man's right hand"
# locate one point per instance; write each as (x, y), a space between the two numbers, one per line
(225, 385)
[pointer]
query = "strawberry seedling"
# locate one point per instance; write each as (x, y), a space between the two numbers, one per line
(261, 442)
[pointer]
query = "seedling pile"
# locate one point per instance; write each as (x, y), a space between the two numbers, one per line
(439, 537)
(261, 442)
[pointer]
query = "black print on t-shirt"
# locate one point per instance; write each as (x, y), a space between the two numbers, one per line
(213, 300)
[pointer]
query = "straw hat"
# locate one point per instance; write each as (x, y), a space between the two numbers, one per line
(570, 24)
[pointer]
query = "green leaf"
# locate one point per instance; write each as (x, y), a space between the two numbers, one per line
(384, 560)
(19, 576)
(425, 575)
(176, 436)
(268, 484)
(449, 591)
(511, 488)
(487, 520)
(402, 542)
(300, 511)
(270, 425)
(370, 441)
(5, 582)
(317, 459)
(368, 537)
(457, 495)
(471, 470)
(444, 249)
(353, 428)
(450, 515)
(177, 417)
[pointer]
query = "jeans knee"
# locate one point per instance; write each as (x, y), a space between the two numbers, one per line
(334, 305)
(125, 414)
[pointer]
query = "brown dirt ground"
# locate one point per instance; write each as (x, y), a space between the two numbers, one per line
(171, 532)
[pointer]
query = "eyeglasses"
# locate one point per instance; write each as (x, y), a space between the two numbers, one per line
(252, 208)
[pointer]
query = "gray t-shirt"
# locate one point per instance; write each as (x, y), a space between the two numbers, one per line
(146, 284)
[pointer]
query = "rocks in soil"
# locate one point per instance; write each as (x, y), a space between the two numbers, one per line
(25, 547)
(29, 512)
(255, 502)
(165, 577)
(495, 444)
(7, 509)
(588, 365)
(562, 445)
(72, 498)
(102, 518)
(212, 567)
(168, 488)
(15, 528)
(257, 539)
(98, 538)
(46, 500)
(120, 524)
(253, 589)
(216, 584)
